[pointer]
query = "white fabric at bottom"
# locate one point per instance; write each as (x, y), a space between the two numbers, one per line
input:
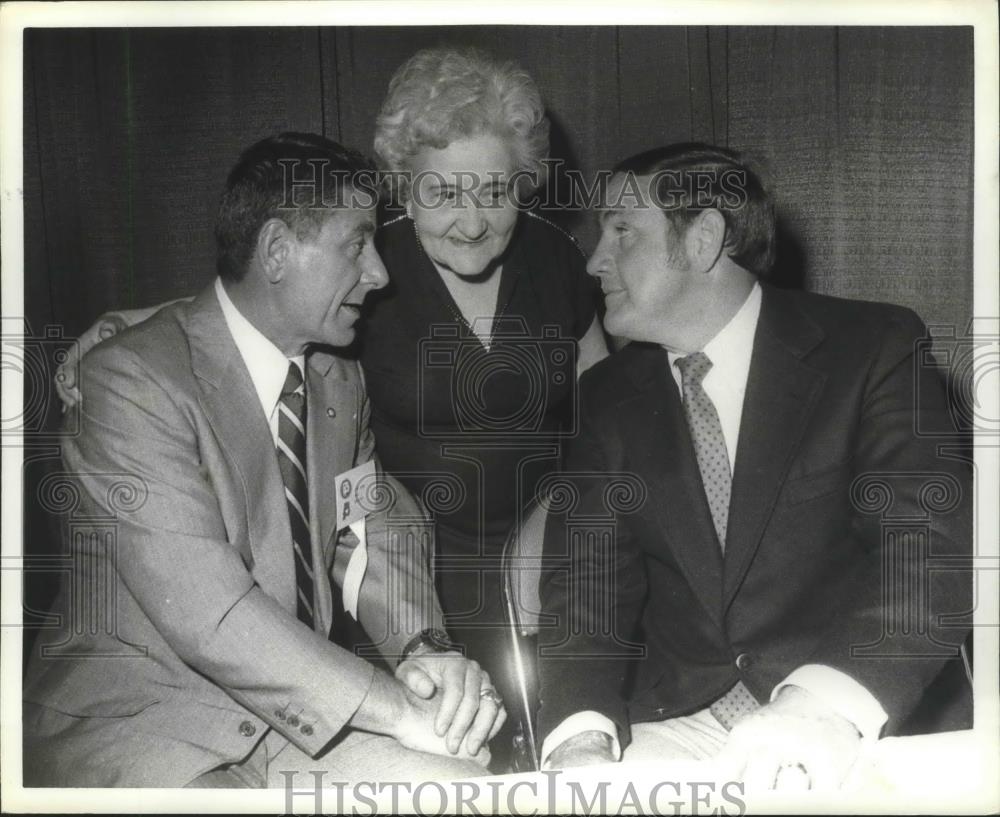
(691, 737)
(357, 756)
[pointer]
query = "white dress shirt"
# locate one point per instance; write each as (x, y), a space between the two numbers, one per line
(266, 363)
(726, 383)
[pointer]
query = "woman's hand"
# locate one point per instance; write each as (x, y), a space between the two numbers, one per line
(67, 386)
(391, 708)
(107, 326)
(468, 708)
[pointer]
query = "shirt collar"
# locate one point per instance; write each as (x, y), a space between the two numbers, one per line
(266, 363)
(731, 347)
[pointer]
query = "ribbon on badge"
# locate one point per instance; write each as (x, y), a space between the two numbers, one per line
(356, 567)
(351, 510)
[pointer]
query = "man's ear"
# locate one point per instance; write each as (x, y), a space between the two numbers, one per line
(705, 238)
(274, 245)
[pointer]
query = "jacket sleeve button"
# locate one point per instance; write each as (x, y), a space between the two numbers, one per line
(293, 720)
(279, 714)
(306, 729)
(247, 729)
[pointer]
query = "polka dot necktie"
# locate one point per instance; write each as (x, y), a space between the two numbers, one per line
(292, 462)
(713, 463)
(709, 444)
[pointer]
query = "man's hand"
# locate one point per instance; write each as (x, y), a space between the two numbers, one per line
(456, 686)
(585, 749)
(794, 742)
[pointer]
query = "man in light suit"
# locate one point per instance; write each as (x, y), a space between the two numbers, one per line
(760, 607)
(226, 420)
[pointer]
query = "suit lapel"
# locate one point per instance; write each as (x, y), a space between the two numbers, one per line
(664, 456)
(781, 395)
(330, 444)
(233, 410)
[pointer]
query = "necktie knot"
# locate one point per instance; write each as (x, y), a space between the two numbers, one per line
(293, 381)
(693, 368)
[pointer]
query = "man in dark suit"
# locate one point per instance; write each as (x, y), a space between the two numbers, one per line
(213, 435)
(760, 608)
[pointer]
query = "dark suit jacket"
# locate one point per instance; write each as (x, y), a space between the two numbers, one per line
(835, 500)
(202, 651)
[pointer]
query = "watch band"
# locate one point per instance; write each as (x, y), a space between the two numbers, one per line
(436, 640)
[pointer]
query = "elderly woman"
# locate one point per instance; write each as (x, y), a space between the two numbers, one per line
(469, 354)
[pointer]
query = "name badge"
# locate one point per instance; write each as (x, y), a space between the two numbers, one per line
(351, 487)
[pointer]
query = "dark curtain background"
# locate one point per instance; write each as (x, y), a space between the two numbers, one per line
(866, 134)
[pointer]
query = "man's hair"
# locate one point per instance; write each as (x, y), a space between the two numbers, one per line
(300, 178)
(440, 95)
(692, 177)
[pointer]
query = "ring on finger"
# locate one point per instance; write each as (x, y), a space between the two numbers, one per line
(489, 693)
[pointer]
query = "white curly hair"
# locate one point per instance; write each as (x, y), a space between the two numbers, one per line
(443, 94)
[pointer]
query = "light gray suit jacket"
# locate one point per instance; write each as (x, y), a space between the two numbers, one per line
(204, 652)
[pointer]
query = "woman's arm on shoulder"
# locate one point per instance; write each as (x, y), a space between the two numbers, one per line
(106, 326)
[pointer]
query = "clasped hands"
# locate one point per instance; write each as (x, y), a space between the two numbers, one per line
(450, 705)
(795, 742)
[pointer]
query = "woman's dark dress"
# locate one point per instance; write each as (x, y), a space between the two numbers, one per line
(481, 426)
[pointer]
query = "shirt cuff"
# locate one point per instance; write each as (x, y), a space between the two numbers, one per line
(842, 694)
(575, 724)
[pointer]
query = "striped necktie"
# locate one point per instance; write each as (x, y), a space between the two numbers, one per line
(713, 463)
(292, 462)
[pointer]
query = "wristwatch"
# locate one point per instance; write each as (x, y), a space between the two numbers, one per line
(436, 640)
